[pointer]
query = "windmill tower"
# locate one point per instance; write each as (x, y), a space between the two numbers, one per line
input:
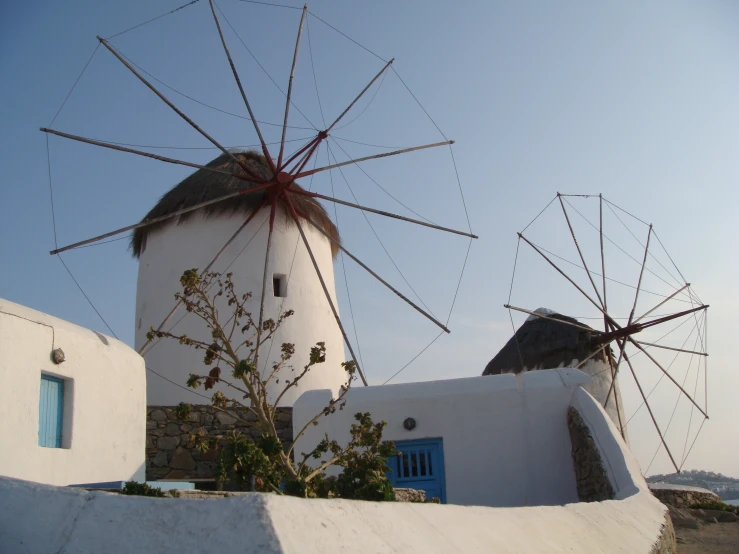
(551, 340)
(165, 250)
(205, 214)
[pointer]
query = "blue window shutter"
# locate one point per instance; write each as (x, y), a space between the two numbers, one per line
(50, 412)
(420, 465)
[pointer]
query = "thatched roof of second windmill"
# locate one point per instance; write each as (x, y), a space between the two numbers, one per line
(545, 344)
(203, 185)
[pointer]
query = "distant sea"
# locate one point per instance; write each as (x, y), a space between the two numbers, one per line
(734, 502)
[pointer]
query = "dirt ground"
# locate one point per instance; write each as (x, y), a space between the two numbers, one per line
(697, 532)
(711, 538)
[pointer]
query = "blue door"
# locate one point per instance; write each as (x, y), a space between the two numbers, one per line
(50, 411)
(420, 465)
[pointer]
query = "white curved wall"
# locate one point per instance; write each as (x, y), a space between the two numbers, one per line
(48, 519)
(104, 433)
(193, 244)
(506, 440)
(600, 371)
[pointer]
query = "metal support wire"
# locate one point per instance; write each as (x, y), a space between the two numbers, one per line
(677, 402)
(378, 237)
(233, 237)
(343, 264)
(53, 221)
(296, 219)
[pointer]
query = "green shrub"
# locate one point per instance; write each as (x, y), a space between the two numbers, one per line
(132, 488)
(716, 505)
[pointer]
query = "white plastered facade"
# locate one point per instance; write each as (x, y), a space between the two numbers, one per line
(50, 519)
(192, 244)
(104, 412)
(505, 437)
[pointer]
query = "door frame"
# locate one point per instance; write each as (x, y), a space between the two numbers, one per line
(437, 444)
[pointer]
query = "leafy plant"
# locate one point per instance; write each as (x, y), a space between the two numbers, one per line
(182, 410)
(365, 466)
(232, 354)
(716, 505)
(134, 488)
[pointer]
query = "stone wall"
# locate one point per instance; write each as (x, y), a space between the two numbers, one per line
(667, 542)
(593, 484)
(170, 452)
(682, 496)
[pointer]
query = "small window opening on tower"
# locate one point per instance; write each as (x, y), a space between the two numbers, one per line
(279, 285)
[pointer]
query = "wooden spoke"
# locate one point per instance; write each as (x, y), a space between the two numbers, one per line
(375, 157)
(670, 377)
(176, 110)
(301, 150)
(380, 212)
(78, 138)
(592, 355)
(296, 219)
(159, 219)
(290, 89)
(207, 268)
(670, 348)
(551, 318)
(579, 251)
(264, 284)
(365, 89)
(651, 414)
(661, 303)
(585, 294)
(375, 275)
(603, 262)
(614, 373)
(265, 151)
(306, 158)
(641, 274)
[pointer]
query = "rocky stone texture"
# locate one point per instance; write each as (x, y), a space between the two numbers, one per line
(409, 495)
(667, 543)
(593, 484)
(170, 452)
(682, 497)
(691, 519)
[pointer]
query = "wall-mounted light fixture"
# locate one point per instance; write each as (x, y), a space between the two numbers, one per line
(409, 424)
(57, 356)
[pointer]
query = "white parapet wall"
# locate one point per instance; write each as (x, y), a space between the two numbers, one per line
(39, 518)
(102, 406)
(505, 437)
(43, 519)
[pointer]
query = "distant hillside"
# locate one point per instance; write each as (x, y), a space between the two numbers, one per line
(726, 487)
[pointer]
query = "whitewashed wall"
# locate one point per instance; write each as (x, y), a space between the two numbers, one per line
(104, 431)
(193, 244)
(600, 371)
(49, 519)
(506, 440)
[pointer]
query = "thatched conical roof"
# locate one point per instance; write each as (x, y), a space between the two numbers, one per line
(545, 344)
(203, 185)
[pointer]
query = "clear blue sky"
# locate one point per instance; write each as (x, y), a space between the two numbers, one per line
(634, 100)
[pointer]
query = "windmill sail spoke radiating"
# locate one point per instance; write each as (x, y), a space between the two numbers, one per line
(290, 89)
(383, 213)
(296, 219)
(170, 104)
(376, 276)
(265, 151)
(620, 332)
(365, 89)
(579, 252)
(373, 157)
(177, 305)
(264, 282)
(649, 409)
